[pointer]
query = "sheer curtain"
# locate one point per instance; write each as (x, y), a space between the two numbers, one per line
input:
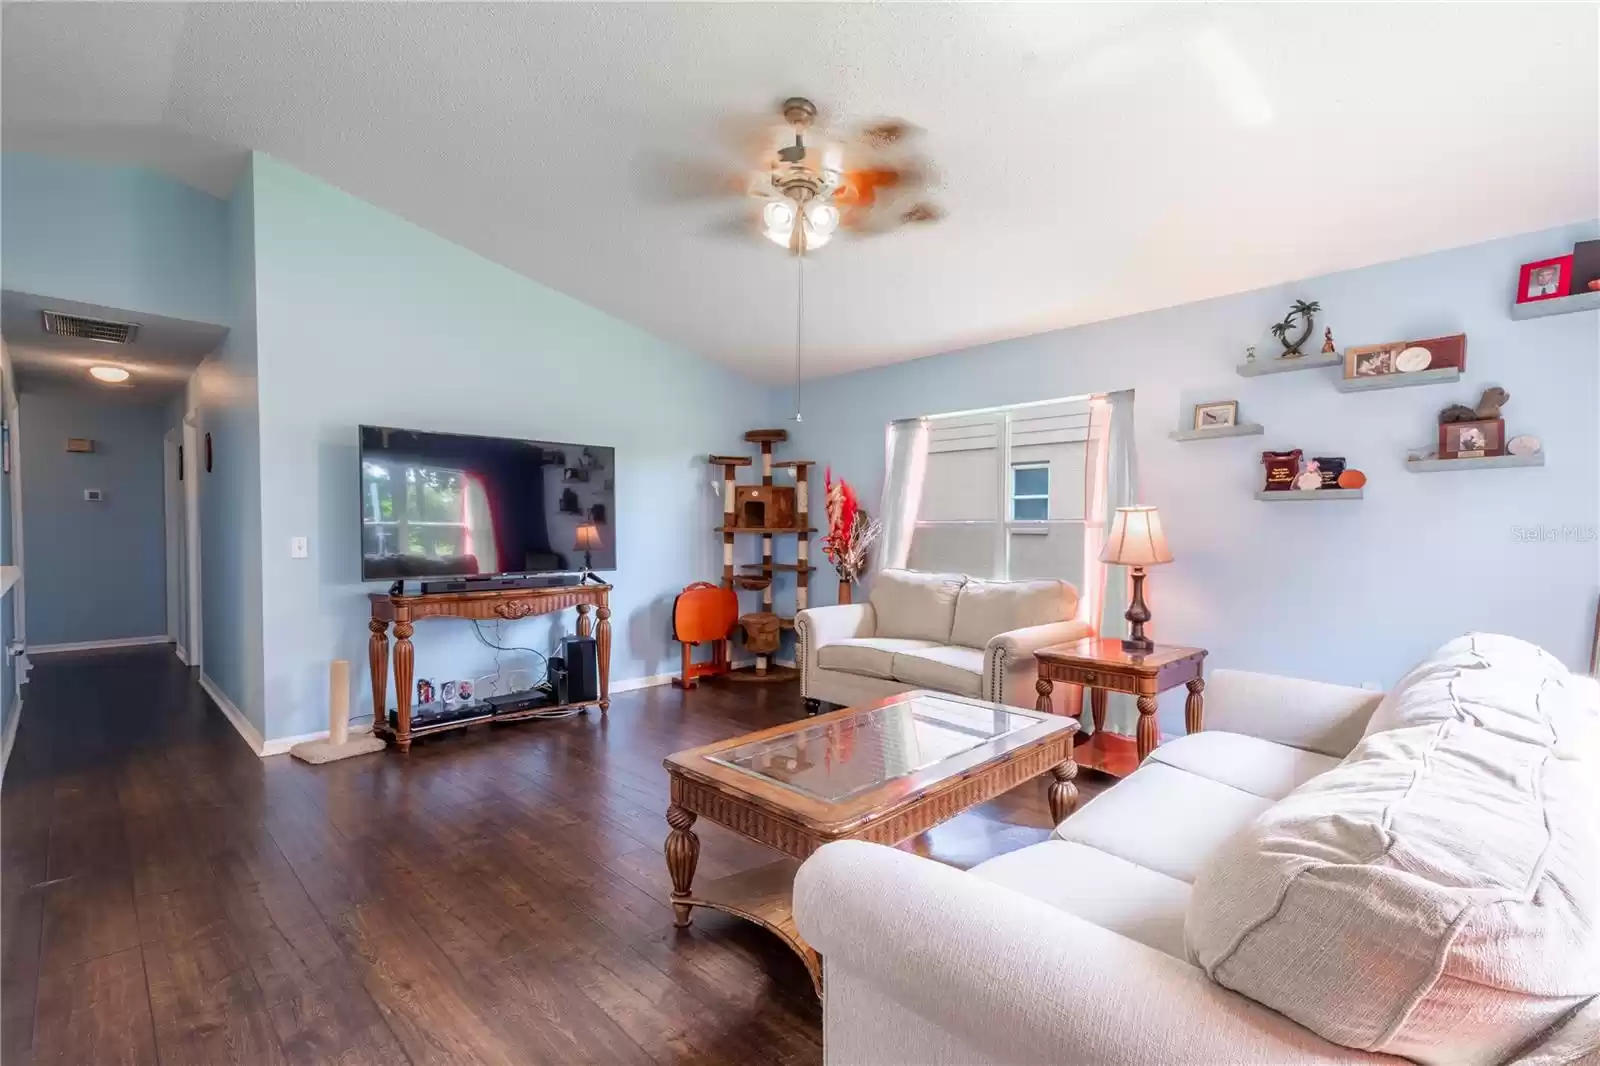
(1111, 480)
(905, 464)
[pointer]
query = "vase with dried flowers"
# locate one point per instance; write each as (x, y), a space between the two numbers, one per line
(851, 532)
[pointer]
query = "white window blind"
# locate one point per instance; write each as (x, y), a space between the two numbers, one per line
(1003, 494)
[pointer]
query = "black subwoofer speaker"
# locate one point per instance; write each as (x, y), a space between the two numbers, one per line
(583, 669)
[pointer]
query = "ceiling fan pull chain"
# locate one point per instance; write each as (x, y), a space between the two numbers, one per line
(799, 325)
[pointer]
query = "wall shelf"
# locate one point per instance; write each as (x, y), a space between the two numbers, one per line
(1561, 305)
(1283, 366)
(1432, 464)
(1299, 496)
(1243, 429)
(1445, 375)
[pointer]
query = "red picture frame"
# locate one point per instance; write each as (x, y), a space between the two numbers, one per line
(1536, 282)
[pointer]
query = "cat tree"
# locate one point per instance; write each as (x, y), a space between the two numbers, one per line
(765, 510)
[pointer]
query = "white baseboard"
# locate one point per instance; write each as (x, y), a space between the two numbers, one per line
(11, 734)
(281, 745)
(251, 735)
(97, 645)
(633, 684)
(181, 652)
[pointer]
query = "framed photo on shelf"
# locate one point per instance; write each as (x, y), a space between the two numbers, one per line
(1472, 440)
(1380, 360)
(1216, 415)
(1548, 279)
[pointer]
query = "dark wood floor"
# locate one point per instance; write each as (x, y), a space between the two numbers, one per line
(496, 897)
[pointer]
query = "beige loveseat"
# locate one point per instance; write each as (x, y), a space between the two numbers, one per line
(946, 632)
(1321, 876)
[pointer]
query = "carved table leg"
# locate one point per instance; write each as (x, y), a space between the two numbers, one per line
(602, 640)
(1063, 794)
(378, 661)
(1097, 708)
(402, 685)
(1043, 687)
(584, 624)
(683, 852)
(1194, 708)
(1149, 734)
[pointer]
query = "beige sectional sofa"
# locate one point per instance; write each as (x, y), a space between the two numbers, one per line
(946, 632)
(1323, 875)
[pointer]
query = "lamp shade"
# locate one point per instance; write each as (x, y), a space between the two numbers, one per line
(588, 537)
(1135, 538)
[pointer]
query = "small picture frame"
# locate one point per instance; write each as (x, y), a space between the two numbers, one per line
(464, 690)
(1548, 279)
(1472, 440)
(1216, 415)
(1374, 360)
(447, 692)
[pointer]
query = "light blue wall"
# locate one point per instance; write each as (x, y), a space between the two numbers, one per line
(96, 571)
(225, 394)
(115, 236)
(1347, 592)
(363, 317)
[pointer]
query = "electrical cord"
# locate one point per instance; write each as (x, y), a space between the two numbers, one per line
(542, 683)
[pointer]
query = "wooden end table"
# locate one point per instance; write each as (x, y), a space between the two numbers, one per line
(883, 773)
(1100, 665)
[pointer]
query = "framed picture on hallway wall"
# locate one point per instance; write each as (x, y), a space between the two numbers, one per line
(1216, 415)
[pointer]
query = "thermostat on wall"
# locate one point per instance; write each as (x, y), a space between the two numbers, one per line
(92, 495)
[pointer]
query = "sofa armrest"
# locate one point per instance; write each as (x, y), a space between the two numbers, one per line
(1021, 981)
(1009, 668)
(816, 626)
(1313, 715)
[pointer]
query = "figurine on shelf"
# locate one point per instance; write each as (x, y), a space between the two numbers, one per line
(1327, 341)
(1311, 479)
(1303, 312)
(1489, 405)
(1250, 353)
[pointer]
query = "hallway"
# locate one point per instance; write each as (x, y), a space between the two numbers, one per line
(496, 897)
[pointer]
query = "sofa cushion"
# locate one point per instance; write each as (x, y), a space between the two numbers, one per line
(948, 668)
(1113, 893)
(1164, 819)
(985, 609)
(1507, 686)
(1445, 877)
(869, 656)
(915, 606)
(1248, 764)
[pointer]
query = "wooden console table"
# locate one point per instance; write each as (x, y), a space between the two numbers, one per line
(1100, 664)
(490, 605)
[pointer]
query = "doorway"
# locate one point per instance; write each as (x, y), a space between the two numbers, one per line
(193, 624)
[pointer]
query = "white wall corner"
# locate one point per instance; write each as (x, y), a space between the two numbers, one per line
(251, 735)
(11, 733)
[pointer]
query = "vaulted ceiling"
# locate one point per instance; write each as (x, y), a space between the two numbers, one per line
(1094, 160)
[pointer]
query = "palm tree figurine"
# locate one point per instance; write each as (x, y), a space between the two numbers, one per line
(1300, 310)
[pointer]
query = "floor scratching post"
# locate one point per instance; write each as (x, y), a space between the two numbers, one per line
(340, 744)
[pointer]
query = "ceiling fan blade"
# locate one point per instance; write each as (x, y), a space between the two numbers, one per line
(887, 134)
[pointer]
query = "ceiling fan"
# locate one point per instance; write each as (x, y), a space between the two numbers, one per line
(804, 184)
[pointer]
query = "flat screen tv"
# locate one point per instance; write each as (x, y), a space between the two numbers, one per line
(437, 505)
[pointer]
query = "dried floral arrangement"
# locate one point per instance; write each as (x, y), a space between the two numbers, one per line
(851, 530)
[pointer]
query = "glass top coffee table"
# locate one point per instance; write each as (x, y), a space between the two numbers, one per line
(883, 773)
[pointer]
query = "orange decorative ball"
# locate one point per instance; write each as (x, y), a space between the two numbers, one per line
(1352, 479)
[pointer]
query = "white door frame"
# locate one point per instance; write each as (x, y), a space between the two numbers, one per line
(194, 628)
(19, 593)
(174, 534)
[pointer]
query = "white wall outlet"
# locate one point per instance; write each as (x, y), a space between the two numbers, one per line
(299, 548)
(93, 495)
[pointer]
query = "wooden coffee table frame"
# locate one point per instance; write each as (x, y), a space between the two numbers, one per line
(797, 824)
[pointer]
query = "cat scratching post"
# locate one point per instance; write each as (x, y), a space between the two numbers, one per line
(340, 744)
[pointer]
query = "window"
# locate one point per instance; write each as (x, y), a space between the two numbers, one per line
(413, 510)
(1003, 493)
(1030, 492)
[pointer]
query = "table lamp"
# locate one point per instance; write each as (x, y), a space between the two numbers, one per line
(588, 539)
(1135, 539)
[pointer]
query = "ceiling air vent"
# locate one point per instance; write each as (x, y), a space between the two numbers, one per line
(89, 329)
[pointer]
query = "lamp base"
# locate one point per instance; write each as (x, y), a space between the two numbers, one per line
(1137, 615)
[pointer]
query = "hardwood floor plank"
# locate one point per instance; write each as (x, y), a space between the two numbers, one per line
(96, 1012)
(498, 896)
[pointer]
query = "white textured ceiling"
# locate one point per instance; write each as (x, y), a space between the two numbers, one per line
(1095, 160)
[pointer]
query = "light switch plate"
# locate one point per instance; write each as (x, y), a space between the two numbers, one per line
(298, 548)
